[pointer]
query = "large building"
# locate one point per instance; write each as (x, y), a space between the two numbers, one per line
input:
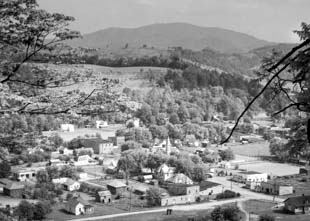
(249, 176)
(275, 188)
(297, 204)
(106, 147)
(24, 174)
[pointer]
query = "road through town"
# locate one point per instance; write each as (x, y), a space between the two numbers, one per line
(245, 195)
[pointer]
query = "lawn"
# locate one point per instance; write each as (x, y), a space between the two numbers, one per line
(256, 208)
(176, 216)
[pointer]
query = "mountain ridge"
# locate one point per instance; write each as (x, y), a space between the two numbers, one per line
(164, 35)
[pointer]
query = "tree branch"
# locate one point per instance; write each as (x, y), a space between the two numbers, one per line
(272, 68)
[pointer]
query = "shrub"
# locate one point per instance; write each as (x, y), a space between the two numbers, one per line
(266, 217)
(227, 194)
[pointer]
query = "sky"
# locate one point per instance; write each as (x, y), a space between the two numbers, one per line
(272, 20)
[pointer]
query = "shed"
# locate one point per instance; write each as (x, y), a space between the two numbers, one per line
(13, 189)
(104, 196)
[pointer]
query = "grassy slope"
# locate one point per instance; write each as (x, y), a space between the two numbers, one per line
(131, 77)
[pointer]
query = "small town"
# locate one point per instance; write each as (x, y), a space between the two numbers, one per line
(159, 120)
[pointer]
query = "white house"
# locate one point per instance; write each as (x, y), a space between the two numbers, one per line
(67, 183)
(109, 163)
(165, 172)
(78, 206)
(67, 127)
(101, 124)
(71, 185)
(85, 160)
(180, 178)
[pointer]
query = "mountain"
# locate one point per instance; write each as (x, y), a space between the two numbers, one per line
(171, 35)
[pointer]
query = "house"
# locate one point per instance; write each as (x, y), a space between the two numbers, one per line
(82, 176)
(177, 200)
(84, 150)
(85, 160)
(101, 124)
(78, 206)
(106, 147)
(71, 185)
(13, 189)
(67, 127)
(165, 172)
(117, 140)
(282, 132)
(24, 174)
(208, 188)
(135, 122)
(179, 178)
(276, 188)
(116, 187)
(252, 176)
(183, 189)
(140, 190)
(66, 151)
(297, 204)
(110, 163)
(104, 196)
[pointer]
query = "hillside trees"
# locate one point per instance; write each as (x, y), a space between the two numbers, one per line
(287, 77)
(28, 89)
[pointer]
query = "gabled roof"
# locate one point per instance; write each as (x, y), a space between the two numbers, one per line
(73, 202)
(298, 200)
(165, 168)
(104, 193)
(14, 185)
(70, 182)
(180, 178)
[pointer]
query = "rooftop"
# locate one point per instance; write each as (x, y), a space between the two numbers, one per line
(249, 172)
(116, 184)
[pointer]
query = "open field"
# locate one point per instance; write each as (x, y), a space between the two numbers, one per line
(256, 208)
(130, 77)
(251, 149)
(104, 132)
(277, 169)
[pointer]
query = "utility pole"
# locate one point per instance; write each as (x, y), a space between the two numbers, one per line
(130, 194)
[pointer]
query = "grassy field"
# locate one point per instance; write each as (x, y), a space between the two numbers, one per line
(104, 132)
(251, 149)
(130, 77)
(277, 169)
(257, 208)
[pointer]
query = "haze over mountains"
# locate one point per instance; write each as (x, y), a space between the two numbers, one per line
(172, 35)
